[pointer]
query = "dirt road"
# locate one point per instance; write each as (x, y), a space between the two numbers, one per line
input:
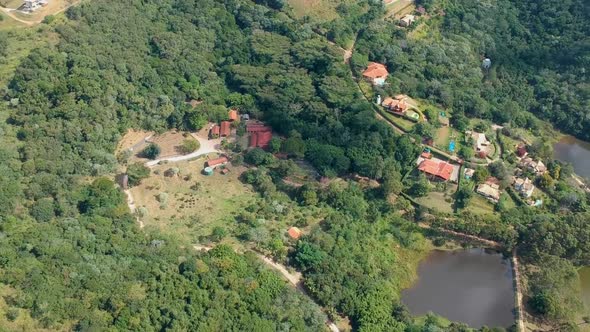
(294, 278)
(518, 291)
(132, 207)
(206, 147)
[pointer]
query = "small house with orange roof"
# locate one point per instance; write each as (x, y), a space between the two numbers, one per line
(233, 115)
(214, 133)
(294, 233)
(225, 129)
(376, 73)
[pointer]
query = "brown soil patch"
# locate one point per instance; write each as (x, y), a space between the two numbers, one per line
(133, 138)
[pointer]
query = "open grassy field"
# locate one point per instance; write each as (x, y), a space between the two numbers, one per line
(479, 205)
(437, 201)
(196, 203)
(320, 10)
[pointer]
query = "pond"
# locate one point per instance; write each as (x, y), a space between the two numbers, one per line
(472, 286)
(577, 152)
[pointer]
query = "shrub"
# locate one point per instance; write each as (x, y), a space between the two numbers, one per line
(189, 146)
(152, 151)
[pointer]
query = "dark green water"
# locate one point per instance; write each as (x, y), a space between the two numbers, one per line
(576, 152)
(471, 286)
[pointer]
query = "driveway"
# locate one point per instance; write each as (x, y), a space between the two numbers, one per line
(207, 146)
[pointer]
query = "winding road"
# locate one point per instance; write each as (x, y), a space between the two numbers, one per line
(206, 147)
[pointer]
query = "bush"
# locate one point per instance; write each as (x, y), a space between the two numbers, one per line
(152, 151)
(137, 172)
(189, 146)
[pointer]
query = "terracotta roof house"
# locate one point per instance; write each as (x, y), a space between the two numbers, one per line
(260, 139)
(216, 162)
(440, 170)
(233, 115)
(215, 131)
(225, 129)
(257, 127)
(294, 233)
(396, 105)
(426, 155)
(376, 73)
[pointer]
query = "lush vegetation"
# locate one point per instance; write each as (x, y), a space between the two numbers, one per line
(539, 54)
(70, 248)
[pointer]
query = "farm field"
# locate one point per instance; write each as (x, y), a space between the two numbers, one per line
(321, 10)
(195, 203)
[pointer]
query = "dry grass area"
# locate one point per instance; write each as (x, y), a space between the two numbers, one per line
(132, 138)
(53, 7)
(170, 142)
(196, 203)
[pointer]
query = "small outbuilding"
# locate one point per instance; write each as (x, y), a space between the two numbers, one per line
(213, 163)
(407, 20)
(294, 233)
(233, 115)
(225, 129)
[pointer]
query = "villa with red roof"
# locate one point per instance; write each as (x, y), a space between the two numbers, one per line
(376, 73)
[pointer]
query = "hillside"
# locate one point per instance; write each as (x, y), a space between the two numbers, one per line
(341, 171)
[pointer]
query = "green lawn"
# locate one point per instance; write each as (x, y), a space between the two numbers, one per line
(479, 205)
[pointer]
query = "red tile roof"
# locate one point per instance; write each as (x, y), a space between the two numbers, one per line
(233, 115)
(216, 162)
(260, 139)
(442, 170)
(257, 127)
(375, 70)
(254, 140)
(225, 128)
(215, 130)
(294, 233)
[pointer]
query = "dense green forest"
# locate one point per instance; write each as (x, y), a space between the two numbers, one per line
(75, 258)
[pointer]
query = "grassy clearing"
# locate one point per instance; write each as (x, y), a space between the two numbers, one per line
(22, 318)
(319, 10)
(440, 200)
(479, 205)
(195, 204)
(20, 43)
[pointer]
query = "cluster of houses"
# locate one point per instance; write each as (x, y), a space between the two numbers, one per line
(523, 185)
(398, 105)
(224, 128)
(260, 135)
